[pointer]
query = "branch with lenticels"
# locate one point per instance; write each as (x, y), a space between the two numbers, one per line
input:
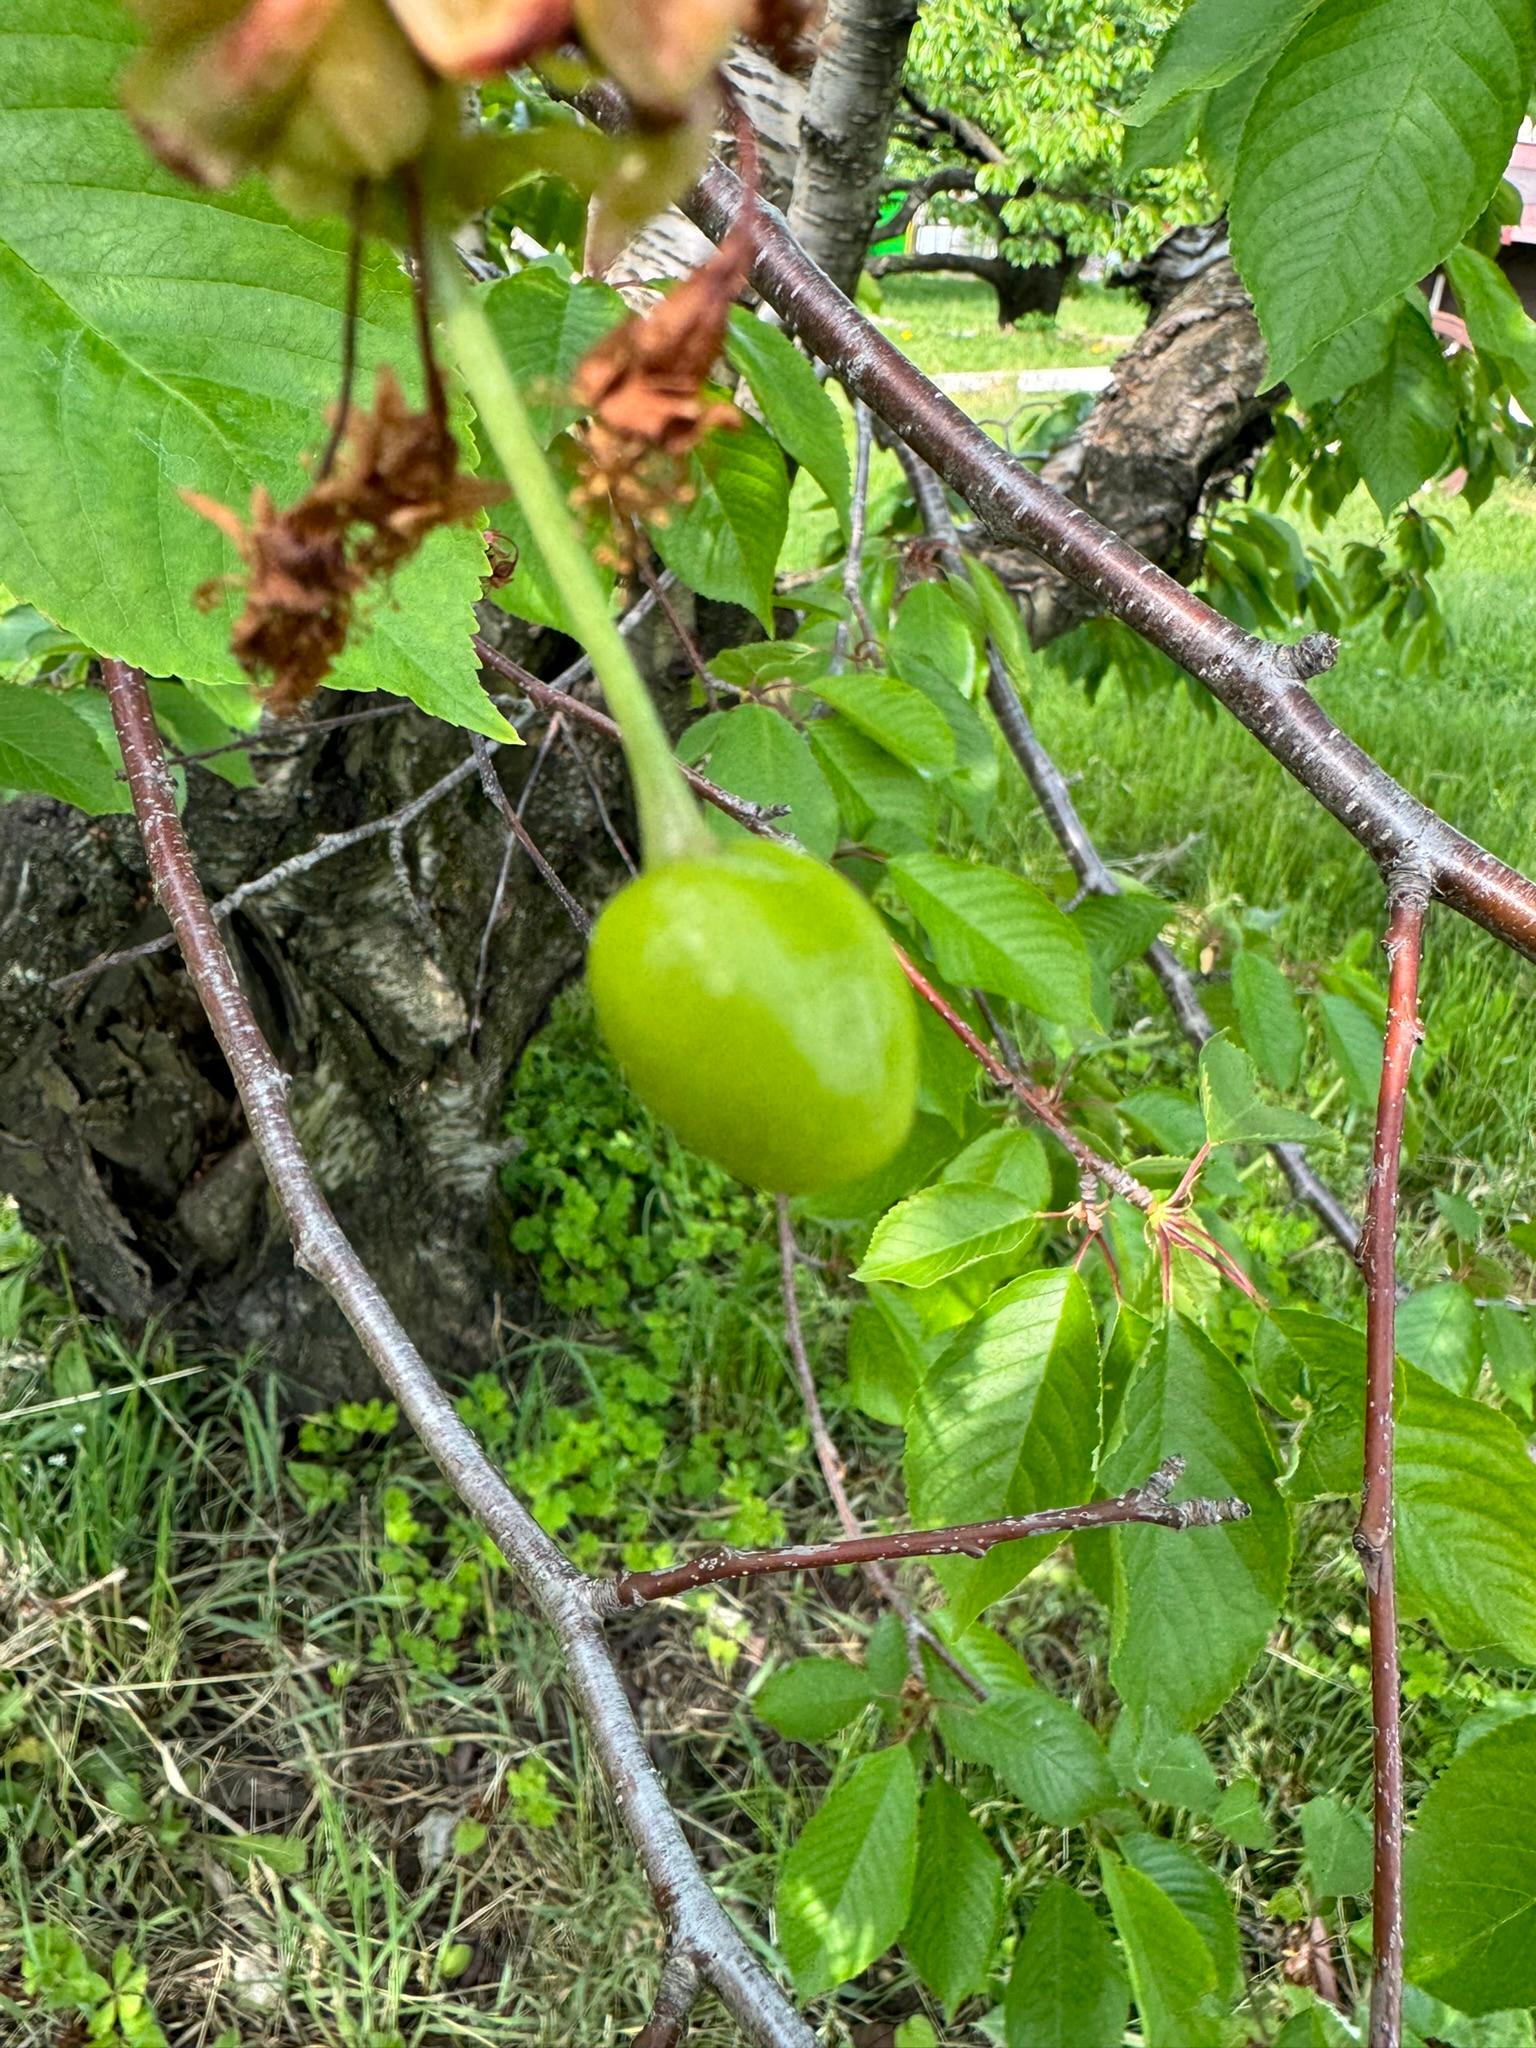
(1263, 684)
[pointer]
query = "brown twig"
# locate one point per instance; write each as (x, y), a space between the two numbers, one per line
(490, 782)
(355, 238)
(569, 1601)
(1088, 864)
(756, 817)
(1148, 1502)
(1408, 897)
(1261, 683)
(833, 1470)
(657, 586)
(677, 1991)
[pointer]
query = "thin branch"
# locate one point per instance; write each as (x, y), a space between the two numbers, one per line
(657, 586)
(1088, 864)
(833, 1470)
(853, 561)
(490, 782)
(1148, 1502)
(1262, 684)
(756, 817)
(568, 1600)
(676, 1994)
(1409, 894)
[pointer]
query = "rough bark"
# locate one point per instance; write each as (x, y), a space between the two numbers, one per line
(120, 1134)
(849, 108)
(1183, 410)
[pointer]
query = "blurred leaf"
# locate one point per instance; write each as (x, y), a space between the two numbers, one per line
(795, 403)
(813, 1697)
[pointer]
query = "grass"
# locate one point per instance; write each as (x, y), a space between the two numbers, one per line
(948, 325)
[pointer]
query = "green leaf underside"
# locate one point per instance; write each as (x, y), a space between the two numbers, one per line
(1006, 1422)
(1269, 1017)
(162, 339)
(1230, 1099)
(845, 1887)
(1371, 149)
(1194, 1607)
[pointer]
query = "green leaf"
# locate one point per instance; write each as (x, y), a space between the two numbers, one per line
(1315, 1362)
(882, 801)
(1165, 1769)
(894, 715)
(944, 1229)
(1211, 42)
(724, 541)
(1006, 1422)
(1458, 1215)
(1511, 1354)
(1350, 357)
(957, 1898)
(930, 644)
(845, 1887)
(1337, 1844)
(1371, 149)
(1466, 1520)
(1067, 1988)
(1241, 1817)
(1269, 1018)
(1200, 1895)
(1355, 1044)
(1193, 1607)
(1173, 1979)
(813, 1697)
(1229, 1096)
(756, 753)
(1501, 330)
(155, 338)
(1399, 425)
(46, 746)
(795, 403)
(995, 931)
(545, 323)
(191, 723)
(886, 1359)
(1040, 1747)
(1118, 929)
(1470, 1876)
(1439, 1330)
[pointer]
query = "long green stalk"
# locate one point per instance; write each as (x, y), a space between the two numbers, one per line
(670, 825)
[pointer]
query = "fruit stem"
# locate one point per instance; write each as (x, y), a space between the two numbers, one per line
(670, 824)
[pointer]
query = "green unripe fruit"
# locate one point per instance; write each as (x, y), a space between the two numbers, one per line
(753, 1000)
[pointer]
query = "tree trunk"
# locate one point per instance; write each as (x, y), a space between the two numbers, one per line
(1019, 290)
(120, 1135)
(1184, 410)
(849, 107)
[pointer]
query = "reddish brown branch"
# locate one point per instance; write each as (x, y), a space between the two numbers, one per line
(568, 1600)
(1088, 864)
(1263, 685)
(676, 1993)
(1148, 1502)
(1373, 1533)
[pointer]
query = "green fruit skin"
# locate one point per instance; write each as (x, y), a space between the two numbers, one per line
(753, 999)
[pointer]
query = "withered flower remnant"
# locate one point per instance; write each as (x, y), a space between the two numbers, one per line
(644, 387)
(305, 567)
